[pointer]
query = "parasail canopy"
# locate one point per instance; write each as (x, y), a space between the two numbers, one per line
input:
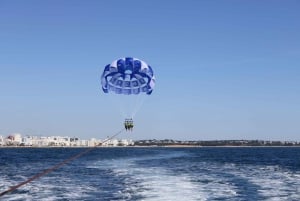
(128, 76)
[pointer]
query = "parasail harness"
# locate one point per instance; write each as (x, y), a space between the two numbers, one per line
(128, 124)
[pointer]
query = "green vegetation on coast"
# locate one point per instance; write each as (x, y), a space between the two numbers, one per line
(169, 142)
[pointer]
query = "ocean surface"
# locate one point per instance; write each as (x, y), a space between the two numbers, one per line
(203, 173)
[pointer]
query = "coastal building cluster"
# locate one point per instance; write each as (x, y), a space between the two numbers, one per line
(59, 141)
(65, 141)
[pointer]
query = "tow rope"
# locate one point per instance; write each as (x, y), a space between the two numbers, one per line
(11, 189)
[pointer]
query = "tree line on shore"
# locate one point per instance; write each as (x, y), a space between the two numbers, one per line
(170, 142)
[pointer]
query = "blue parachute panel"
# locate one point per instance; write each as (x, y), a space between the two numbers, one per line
(128, 76)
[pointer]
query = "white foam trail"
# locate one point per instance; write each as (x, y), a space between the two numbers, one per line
(159, 184)
(205, 181)
(276, 183)
(48, 189)
(273, 183)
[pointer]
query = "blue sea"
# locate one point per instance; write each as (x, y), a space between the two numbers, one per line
(156, 173)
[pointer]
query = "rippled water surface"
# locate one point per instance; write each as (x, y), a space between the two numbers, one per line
(153, 174)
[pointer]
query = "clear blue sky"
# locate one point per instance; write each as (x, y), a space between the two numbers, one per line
(224, 69)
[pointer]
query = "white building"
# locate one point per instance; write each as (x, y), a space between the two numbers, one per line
(13, 139)
(110, 143)
(38, 141)
(116, 142)
(17, 138)
(125, 142)
(76, 142)
(83, 143)
(27, 141)
(93, 142)
(59, 141)
(1, 140)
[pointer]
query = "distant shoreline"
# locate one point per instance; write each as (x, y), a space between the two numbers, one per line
(165, 146)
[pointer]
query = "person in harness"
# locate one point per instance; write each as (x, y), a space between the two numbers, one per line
(128, 124)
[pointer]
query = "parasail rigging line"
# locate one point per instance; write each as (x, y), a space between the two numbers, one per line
(51, 169)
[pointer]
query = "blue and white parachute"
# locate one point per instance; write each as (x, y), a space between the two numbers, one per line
(128, 76)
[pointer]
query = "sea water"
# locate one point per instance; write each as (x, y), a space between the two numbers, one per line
(199, 173)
